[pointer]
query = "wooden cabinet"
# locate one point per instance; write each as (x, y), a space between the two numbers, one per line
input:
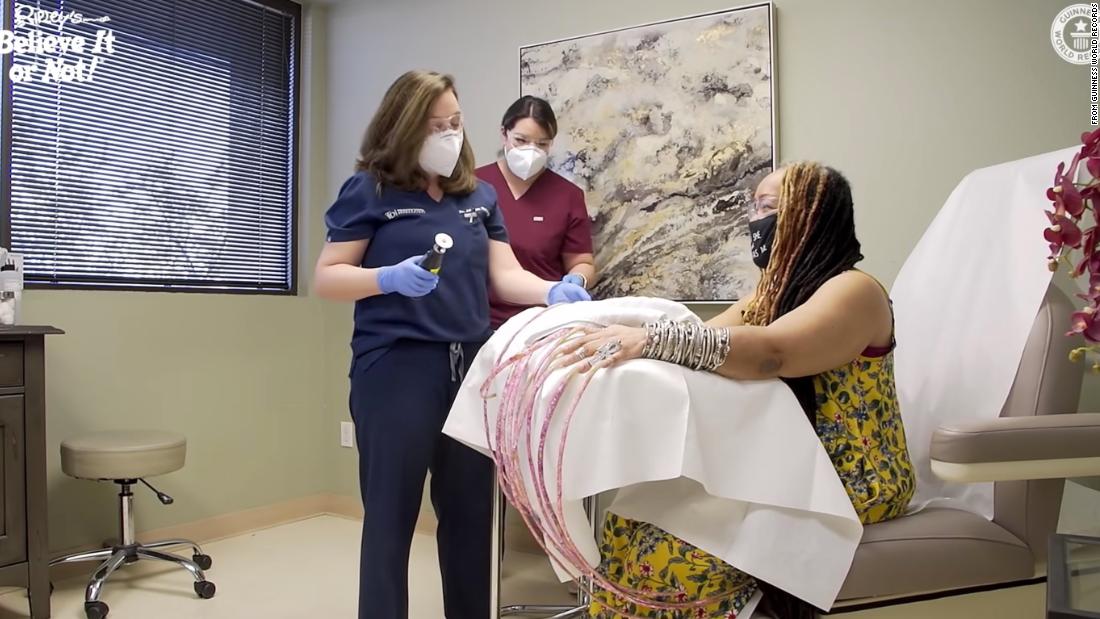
(13, 509)
(24, 550)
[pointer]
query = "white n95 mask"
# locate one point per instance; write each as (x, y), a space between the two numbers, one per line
(440, 152)
(525, 161)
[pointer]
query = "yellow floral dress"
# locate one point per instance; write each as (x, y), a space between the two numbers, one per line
(859, 423)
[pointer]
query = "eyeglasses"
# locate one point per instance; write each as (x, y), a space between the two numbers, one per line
(445, 123)
(764, 205)
(519, 140)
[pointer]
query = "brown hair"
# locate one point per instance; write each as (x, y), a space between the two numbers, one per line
(536, 109)
(391, 146)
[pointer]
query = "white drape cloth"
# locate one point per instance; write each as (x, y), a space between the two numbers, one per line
(730, 466)
(964, 301)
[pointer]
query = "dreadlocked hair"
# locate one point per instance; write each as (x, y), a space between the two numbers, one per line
(815, 240)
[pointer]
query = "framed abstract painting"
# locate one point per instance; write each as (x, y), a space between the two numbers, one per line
(667, 127)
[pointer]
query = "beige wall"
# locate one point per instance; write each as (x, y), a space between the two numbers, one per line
(903, 98)
(236, 374)
(239, 375)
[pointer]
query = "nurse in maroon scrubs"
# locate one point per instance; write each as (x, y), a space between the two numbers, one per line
(548, 225)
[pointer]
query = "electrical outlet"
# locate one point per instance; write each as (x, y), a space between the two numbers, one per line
(347, 434)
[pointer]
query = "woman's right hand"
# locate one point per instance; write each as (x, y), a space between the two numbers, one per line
(407, 278)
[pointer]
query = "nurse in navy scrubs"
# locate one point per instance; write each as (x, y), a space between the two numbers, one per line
(416, 333)
(547, 219)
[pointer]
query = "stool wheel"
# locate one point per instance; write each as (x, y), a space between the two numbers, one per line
(204, 589)
(203, 561)
(96, 610)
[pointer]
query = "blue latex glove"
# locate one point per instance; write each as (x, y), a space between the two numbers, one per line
(565, 292)
(407, 278)
(574, 279)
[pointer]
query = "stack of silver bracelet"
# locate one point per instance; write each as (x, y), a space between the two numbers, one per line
(689, 344)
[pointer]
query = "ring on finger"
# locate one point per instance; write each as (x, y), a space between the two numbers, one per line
(610, 348)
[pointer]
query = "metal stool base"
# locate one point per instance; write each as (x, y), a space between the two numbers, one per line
(563, 612)
(497, 545)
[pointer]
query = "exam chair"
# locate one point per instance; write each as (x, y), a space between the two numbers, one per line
(1028, 452)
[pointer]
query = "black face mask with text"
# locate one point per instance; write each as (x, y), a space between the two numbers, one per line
(761, 235)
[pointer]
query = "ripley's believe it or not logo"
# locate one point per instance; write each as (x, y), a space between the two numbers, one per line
(61, 57)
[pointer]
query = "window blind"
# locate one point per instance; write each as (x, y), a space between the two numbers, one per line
(167, 161)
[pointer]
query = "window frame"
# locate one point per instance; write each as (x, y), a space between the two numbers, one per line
(166, 284)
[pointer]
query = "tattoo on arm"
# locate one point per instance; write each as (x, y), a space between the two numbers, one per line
(770, 365)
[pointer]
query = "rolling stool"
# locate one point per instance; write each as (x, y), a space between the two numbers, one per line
(126, 458)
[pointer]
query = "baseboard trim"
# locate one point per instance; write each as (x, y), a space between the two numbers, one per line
(352, 508)
(346, 506)
(246, 521)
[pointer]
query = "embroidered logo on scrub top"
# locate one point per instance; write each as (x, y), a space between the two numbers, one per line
(474, 215)
(404, 212)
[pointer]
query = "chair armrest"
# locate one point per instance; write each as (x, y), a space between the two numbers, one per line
(1018, 448)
